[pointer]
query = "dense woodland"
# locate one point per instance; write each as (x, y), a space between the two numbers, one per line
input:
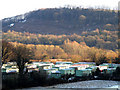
(67, 20)
(73, 47)
(98, 38)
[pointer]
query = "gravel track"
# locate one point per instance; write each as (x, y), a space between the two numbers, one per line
(89, 84)
(84, 85)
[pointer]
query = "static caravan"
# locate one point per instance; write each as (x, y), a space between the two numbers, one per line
(80, 66)
(12, 63)
(3, 70)
(115, 65)
(56, 75)
(12, 70)
(110, 70)
(67, 63)
(93, 68)
(111, 65)
(104, 64)
(62, 66)
(108, 64)
(102, 67)
(32, 66)
(44, 67)
(8, 66)
(64, 63)
(36, 63)
(88, 63)
(82, 73)
(33, 69)
(74, 67)
(58, 63)
(67, 71)
(49, 71)
(54, 69)
(4, 65)
(43, 64)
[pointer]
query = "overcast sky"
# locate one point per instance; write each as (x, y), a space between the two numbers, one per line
(10, 8)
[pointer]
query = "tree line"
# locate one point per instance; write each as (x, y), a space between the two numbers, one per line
(103, 39)
(69, 50)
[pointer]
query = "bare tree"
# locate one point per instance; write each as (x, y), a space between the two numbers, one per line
(92, 54)
(7, 51)
(22, 56)
(102, 57)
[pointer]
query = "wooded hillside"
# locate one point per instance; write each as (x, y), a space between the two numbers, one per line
(62, 21)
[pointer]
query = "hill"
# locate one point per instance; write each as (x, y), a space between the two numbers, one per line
(62, 21)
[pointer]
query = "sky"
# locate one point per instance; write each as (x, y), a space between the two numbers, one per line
(11, 8)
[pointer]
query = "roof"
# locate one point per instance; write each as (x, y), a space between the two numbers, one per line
(54, 68)
(84, 70)
(79, 64)
(42, 63)
(61, 65)
(86, 62)
(111, 68)
(75, 66)
(45, 65)
(47, 69)
(67, 62)
(68, 69)
(56, 72)
(63, 62)
(51, 69)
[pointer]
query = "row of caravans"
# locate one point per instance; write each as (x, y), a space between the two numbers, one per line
(60, 69)
(10, 67)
